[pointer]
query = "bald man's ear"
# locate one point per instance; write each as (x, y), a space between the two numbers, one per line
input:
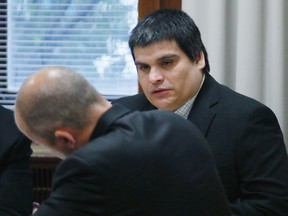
(65, 138)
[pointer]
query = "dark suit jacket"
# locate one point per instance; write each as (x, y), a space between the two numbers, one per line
(142, 164)
(247, 143)
(15, 173)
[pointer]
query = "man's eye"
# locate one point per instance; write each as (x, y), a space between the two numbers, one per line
(142, 67)
(166, 62)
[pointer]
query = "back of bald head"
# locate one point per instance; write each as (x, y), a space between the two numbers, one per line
(54, 97)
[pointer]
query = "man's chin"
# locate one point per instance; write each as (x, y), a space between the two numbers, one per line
(162, 103)
(164, 106)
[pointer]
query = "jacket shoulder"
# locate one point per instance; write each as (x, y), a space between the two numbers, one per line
(135, 102)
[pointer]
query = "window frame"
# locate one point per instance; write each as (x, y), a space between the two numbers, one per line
(144, 7)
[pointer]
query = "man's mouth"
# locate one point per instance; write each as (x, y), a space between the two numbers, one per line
(160, 92)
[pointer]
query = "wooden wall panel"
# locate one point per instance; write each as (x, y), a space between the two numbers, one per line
(147, 6)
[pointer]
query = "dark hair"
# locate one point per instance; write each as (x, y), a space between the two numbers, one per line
(170, 24)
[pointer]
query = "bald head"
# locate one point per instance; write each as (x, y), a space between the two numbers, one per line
(55, 97)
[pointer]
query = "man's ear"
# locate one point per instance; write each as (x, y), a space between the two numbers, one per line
(200, 60)
(66, 138)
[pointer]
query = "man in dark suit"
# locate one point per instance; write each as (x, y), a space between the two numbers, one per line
(15, 173)
(247, 142)
(117, 162)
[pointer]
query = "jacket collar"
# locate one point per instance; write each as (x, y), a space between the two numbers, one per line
(107, 120)
(202, 112)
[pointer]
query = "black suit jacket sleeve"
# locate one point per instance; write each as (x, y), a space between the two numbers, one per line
(75, 187)
(15, 173)
(262, 164)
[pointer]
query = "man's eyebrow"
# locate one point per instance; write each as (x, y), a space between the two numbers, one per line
(139, 63)
(167, 56)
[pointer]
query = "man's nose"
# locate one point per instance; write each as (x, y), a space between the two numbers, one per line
(155, 75)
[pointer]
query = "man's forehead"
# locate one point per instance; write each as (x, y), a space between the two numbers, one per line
(156, 52)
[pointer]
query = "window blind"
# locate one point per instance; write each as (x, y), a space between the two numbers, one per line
(90, 36)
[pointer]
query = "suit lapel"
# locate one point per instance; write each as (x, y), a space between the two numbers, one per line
(203, 112)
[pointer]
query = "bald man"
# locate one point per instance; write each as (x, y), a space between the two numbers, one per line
(116, 162)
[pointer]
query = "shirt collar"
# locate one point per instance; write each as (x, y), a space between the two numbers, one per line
(186, 108)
